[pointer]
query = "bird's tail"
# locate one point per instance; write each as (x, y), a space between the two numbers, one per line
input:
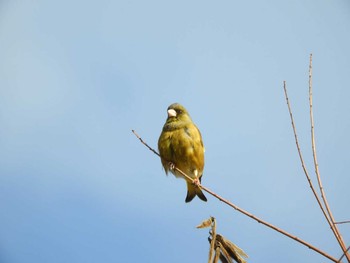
(192, 191)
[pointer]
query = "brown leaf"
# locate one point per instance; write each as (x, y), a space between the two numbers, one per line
(206, 223)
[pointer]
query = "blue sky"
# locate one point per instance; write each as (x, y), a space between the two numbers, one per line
(76, 77)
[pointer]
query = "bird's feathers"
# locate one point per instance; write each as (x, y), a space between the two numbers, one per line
(181, 143)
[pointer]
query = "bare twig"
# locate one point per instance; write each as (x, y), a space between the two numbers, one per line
(343, 254)
(243, 211)
(330, 217)
(342, 222)
(138, 137)
(301, 156)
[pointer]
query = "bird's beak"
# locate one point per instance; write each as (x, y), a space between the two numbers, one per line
(171, 113)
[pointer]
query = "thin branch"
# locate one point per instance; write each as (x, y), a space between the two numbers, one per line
(138, 137)
(343, 254)
(317, 172)
(342, 222)
(242, 210)
(266, 223)
(301, 157)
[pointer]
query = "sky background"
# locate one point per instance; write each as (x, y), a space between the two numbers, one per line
(75, 78)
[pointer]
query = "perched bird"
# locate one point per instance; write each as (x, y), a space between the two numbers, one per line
(180, 143)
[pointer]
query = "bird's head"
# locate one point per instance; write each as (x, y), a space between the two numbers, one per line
(178, 112)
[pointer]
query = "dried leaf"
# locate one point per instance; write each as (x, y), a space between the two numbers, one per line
(221, 247)
(225, 255)
(206, 223)
(233, 250)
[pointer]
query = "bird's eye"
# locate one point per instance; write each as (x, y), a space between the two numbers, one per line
(179, 111)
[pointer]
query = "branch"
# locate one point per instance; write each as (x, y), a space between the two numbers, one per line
(343, 254)
(304, 167)
(330, 217)
(342, 222)
(301, 156)
(240, 209)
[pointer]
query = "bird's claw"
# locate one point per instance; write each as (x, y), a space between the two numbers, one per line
(196, 182)
(171, 166)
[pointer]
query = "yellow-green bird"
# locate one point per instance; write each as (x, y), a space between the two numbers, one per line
(181, 144)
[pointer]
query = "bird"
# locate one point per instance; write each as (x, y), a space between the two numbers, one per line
(180, 144)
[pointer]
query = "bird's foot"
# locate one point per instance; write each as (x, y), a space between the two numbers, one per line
(171, 166)
(196, 182)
